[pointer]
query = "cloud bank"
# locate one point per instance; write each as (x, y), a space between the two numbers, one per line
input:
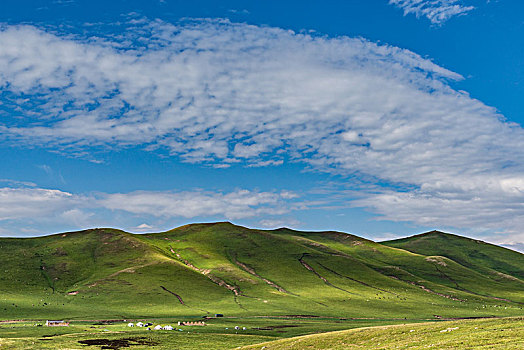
(37, 206)
(437, 11)
(214, 92)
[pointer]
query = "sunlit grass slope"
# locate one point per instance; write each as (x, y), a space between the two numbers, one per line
(203, 269)
(498, 262)
(472, 334)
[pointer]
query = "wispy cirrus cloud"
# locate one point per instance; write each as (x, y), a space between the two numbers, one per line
(437, 11)
(214, 92)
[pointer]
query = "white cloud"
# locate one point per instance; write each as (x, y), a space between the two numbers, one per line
(78, 217)
(28, 203)
(189, 204)
(143, 228)
(15, 183)
(278, 223)
(479, 202)
(210, 91)
(37, 206)
(437, 11)
(519, 247)
(218, 93)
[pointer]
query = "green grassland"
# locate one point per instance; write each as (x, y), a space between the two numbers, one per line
(470, 334)
(480, 256)
(203, 269)
(218, 333)
(196, 271)
(271, 333)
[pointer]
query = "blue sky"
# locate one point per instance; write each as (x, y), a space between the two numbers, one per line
(380, 118)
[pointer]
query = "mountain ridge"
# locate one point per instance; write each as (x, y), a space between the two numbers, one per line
(207, 268)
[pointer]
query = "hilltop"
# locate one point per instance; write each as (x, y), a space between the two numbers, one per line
(478, 255)
(203, 269)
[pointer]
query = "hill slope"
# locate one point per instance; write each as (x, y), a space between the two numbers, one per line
(203, 269)
(471, 334)
(480, 256)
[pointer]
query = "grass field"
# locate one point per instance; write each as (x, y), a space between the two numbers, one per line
(272, 333)
(322, 280)
(465, 334)
(205, 269)
(219, 333)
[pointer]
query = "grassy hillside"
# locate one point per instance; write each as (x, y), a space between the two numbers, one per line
(498, 262)
(202, 269)
(472, 334)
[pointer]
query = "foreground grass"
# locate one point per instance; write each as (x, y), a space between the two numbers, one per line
(218, 334)
(273, 334)
(504, 333)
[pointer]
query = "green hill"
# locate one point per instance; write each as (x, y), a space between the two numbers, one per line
(498, 262)
(471, 334)
(203, 269)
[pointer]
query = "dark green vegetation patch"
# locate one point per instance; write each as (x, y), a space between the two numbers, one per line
(118, 343)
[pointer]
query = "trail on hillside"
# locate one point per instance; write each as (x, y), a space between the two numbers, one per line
(310, 268)
(46, 276)
(218, 281)
(131, 269)
(238, 303)
(176, 295)
(474, 293)
(424, 288)
(252, 271)
(207, 273)
(355, 280)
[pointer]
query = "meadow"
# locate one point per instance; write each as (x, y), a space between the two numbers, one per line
(270, 333)
(465, 334)
(276, 283)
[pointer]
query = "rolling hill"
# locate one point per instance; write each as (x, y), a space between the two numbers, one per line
(503, 333)
(477, 255)
(204, 269)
